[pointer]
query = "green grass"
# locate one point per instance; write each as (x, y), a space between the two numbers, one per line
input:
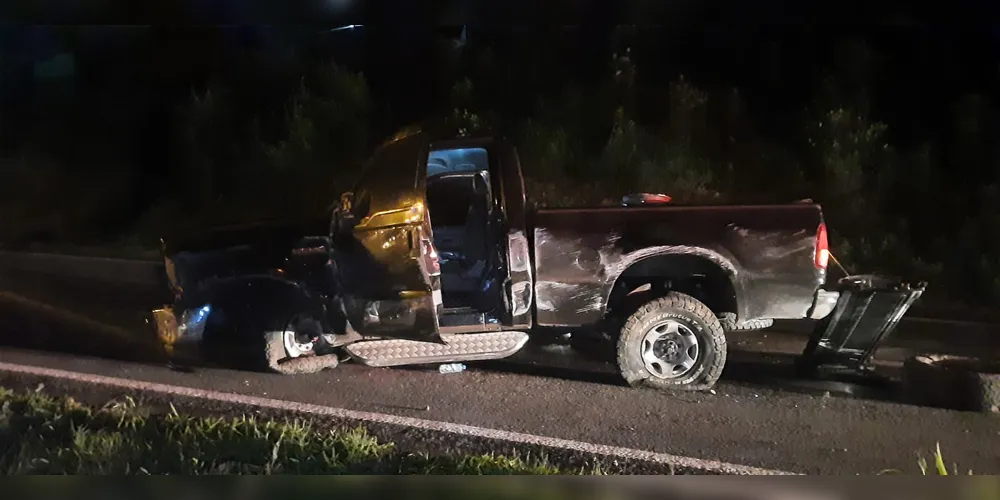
(937, 467)
(40, 434)
(940, 469)
(982, 488)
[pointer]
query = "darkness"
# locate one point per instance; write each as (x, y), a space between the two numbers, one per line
(185, 125)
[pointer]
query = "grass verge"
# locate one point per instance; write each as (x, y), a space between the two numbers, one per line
(41, 434)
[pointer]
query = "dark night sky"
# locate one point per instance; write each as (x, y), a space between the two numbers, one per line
(771, 50)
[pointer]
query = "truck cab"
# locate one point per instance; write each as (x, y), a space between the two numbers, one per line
(431, 242)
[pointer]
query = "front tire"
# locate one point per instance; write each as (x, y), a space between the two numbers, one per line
(672, 343)
(295, 349)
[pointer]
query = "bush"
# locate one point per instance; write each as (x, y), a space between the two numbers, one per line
(890, 208)
(231, 173)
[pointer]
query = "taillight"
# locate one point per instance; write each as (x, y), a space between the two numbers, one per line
(822, 247)
(429, 256)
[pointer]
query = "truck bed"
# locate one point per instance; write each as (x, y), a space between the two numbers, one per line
(767, 251)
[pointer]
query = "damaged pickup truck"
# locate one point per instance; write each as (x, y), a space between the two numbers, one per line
(436, 257)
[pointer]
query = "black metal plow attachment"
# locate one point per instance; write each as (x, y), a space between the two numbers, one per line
(867, 312)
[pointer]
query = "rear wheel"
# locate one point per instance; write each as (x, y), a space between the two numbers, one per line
(672, 343)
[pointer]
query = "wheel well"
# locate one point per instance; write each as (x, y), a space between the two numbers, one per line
(693, 275)
(242, 306)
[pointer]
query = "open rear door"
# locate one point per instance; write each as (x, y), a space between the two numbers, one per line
(518, 287)
(387, 260)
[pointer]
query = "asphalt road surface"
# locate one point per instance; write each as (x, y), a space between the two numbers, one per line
(739, 424)
(756, 417)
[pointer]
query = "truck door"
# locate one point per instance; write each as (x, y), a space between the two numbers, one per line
(518, 287)
(385, 255)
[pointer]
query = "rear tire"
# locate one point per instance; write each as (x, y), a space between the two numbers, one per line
(729, 324)
(672, 343)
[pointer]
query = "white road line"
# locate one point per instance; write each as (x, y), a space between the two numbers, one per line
(711, 466)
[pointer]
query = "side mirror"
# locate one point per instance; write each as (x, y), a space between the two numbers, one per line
(342, 215)
(345, 204)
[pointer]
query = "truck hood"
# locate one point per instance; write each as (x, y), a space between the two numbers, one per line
(259, 235)
(255, 249)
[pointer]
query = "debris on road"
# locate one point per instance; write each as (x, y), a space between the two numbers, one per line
(452, 368)
(955, 382)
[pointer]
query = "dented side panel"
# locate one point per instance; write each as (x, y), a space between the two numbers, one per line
(521, 289)
(766, 252)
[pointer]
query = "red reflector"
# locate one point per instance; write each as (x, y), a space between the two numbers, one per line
(822, 247)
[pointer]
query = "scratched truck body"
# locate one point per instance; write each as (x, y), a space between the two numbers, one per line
(434, 256)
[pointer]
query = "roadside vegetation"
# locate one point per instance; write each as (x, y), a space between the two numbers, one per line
(40, 434)
(940, 468)
(912, 194)
(43, 434)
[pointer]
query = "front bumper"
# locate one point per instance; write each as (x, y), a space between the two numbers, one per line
(181, 337)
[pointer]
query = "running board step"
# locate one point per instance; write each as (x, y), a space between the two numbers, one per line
(464, 347)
